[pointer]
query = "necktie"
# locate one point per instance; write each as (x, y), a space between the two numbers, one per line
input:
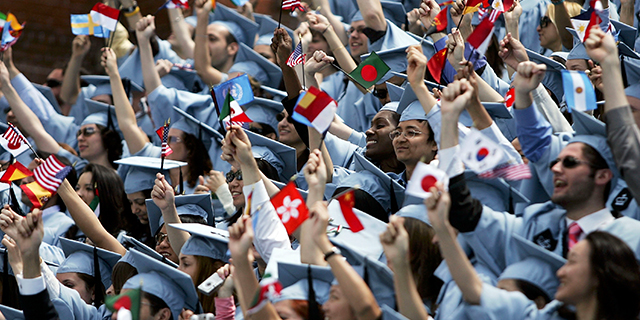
(574, 233)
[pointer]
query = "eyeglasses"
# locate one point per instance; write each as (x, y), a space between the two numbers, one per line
(53, 83)
(174, 139)
(358, 30)
(87, 132)
(544, 22)
(161, 237)
(280, 117)
(380, 94)
(234, 175)
(410, 134)
(568, 162)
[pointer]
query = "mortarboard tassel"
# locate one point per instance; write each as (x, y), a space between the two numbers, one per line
(314, 309)
(99, 286)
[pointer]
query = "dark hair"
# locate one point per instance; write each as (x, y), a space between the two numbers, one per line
(206, 267)
(432, 135)
(122, 271)
(494, 60)
(111, 142)
(366, 203)
(229, 38)
(301, 308)
(156, 304)
(90, 284)
(615, 267)
(185, 218)
(531, 291)
(424, 257)
(596, 162)
(268, 170)
(197, 158)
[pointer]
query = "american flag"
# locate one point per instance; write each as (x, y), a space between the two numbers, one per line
(292, 5)
(296, 56)
(51, 173)
(13, 136)
(163, 133)
(509, 172)
(172, 4)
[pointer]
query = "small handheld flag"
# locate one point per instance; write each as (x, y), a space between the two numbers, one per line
(232, 113)
(163, 133)
(82, 24)
(316, 109)
(9, 35)
(127, 304)
(51, 173)
(290, 207)
(439, 23)
(578, 91)
(296, 56)
(347, 200)
(269, 290)
(423, 178)
(292, 5)
(173, 4)
(511, 172)
(13, 141)
(105, 16)
(510, 98)
(436, 64)
(36, 194)
(479, 153)
(370, 71)
(15, 171)
(238, 87)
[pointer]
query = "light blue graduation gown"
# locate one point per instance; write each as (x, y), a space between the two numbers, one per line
(532, 11)
(500, 304)
(394, 37)
(56, 224)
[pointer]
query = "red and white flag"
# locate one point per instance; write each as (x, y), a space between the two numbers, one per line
(510, 98)
(105, 16)
(172, 4)
(423, 178)
(51, 173)
(481, 35)
(13, 141)
(270, 289)
(511, 172)
(290, 207)
(479, 153)
(292, 5)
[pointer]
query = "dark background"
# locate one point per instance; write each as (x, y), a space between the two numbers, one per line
(46, 40)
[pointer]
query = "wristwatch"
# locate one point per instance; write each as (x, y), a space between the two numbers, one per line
(331, 253)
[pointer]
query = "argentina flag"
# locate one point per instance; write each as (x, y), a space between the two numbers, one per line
(578, 91)
(82, 24)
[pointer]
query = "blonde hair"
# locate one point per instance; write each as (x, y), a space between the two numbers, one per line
(572, 8)
(121, 45)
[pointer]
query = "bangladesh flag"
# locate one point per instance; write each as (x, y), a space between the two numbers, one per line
(127, 304)
(370, 71)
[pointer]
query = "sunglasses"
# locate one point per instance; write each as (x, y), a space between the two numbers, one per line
(280, 117)
(173, 139)
(160, 237)
(380, 94)
(568, 162)
(544, 21)
(53, 83)
(234, 175)
(87, 132)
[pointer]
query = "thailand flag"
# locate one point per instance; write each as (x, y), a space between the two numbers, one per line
(105, 16)
(479, 153)
(423, 178)
(172, 4)
(578, 91)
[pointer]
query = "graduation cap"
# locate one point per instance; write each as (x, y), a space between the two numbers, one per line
(180, 79)
(578, 51)
(560, 54)
(103, 84)
(189, 124)
(395, 93)
(150, 163)
(625, 51)
(241, 28)
(130, 242)
(361, 163)
(428, 49)
(430, 85)
(537, 266)
(264, 111)
(415, 211)
(205, 241)
(11, 313)
(140, 177)
(379, 278)
(365, 243)
(495, 109)
(593, 132)
(295, 279)
(278, 95)
(101, 114)
(551, 80)
(409, 107)
(631, 69)
(171, 285)
(252, 63)
(633, 91)
(490, 190)
(80, 259)
(193, 204)
(393, 11)
(395, 58)
(48, 94)
(280, 185)
(282, 157)
(627, 33)
(267, 27)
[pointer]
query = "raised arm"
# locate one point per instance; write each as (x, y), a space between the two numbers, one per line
(316, 22)
(131, 12)
(355, 290)
(512, 18)
(145, 29)
(87, 221)
(562, 22)
(25, 116)
(133, 135)
(164, 198)
(315, 174)
(395, 241)
(181, 32)
(415, 74)
(71, 83)
(281, 44)
(201, 55)
(325, 10)
(373, 15)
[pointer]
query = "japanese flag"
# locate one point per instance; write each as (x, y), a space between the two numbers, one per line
(480, 153)
(423, 178)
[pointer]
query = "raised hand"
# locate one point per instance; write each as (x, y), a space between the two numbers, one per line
(315, 172)
(162, 194)
(457, 8)
(528, 77)
(417, 64)
(109, 61)
(595, 75)
(428, 10)
(163, 67)
(512, 51)
(13, 252)
(318, 22)
(601, 47)
(5, 77)
(80, 46)
(513, 14)
(146, 28)
(203, 7)
(455, 45)
(228, 286)
(281, 45)
(456, 96)
(319, 61)
(395, 241)
(241, 238)
(242, 146)
(319, 217)
(30, 231)
(8, 219)
(438, 207)
(228, 150)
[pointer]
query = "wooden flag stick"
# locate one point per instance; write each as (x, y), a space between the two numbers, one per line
(361, 87)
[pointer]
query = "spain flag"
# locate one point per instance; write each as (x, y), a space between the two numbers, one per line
(36, 193)
(16, 171)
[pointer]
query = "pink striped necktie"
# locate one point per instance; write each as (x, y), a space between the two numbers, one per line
(574, 234)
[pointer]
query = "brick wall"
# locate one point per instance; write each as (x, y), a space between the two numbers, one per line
(46, 40)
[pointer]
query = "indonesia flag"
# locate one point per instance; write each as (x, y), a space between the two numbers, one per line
(423, 178)
(315, 108)
(481, 35)
(578, 91)
(105, 16)
(479, 153)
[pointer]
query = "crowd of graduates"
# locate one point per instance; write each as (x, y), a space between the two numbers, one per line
(470, 169)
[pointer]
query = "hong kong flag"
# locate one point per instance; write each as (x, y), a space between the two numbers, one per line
(290, 207)
(423, 178)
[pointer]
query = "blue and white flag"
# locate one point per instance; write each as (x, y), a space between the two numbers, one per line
(239, 88)
(83, 24)
(578, 91)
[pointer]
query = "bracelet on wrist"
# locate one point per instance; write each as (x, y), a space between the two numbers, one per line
(327, 28)
(334, 251)
(130, 12)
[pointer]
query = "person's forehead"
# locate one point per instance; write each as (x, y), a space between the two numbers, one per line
(576, 64)
(382, 115)
(572, 149)
(411, 124)
(358, 24)
(217, 30)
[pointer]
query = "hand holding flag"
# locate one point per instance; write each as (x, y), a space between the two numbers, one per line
(105, 16)
(163, 133)
(423, 178)
(316, 109)
(290, 207)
